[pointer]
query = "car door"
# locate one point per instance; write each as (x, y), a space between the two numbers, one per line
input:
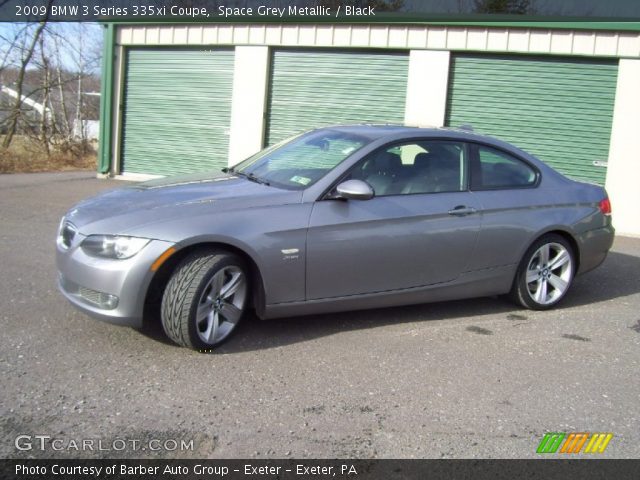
(419, 229)
(513, 205)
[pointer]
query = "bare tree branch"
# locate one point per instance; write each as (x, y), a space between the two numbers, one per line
(17, 106)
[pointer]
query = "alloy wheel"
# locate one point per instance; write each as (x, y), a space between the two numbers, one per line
(221, 305)
(549, 273)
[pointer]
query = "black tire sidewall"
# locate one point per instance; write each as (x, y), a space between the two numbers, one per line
(184, 289)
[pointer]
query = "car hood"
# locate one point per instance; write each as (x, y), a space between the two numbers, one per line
(124, 209)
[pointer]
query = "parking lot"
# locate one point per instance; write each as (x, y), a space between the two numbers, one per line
(464, 379)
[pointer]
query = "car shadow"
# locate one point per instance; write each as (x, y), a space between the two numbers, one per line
(617, 277)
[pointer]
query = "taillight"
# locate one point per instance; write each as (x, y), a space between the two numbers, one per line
(605, 206)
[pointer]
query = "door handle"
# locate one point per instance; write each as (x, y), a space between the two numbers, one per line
(462, 210)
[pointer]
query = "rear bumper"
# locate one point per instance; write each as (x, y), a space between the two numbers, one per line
(594, 246)
(109, 290)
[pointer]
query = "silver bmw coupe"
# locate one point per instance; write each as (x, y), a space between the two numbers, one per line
(339, 218)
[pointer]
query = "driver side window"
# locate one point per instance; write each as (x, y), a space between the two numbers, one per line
(414, 167)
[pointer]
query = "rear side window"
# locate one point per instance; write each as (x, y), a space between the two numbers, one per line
(496, 169)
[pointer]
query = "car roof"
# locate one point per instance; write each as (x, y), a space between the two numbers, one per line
(380, 131)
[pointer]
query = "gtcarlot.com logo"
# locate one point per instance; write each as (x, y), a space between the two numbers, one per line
(26, 443)
(573, 442)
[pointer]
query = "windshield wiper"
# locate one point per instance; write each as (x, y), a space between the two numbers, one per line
(227, 169)
(252, 177)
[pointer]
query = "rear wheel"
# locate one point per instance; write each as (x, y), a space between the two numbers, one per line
(545, 273)
(205, 300)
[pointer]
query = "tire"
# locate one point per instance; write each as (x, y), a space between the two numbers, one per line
(205, 300)
(545, 273)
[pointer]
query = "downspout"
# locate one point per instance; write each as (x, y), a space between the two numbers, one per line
(106, 101)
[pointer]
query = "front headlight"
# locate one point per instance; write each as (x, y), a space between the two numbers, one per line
(66, 233)
(113, 246)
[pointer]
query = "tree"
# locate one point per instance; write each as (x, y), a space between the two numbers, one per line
(50, 78)
(26, 47)
(386, 5)
(378, 5)
(519, 7)
(45, 120)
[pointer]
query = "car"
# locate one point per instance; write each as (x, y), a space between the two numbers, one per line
(335, 219)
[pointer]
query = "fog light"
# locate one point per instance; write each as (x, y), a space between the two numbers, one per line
(109, 301)
(103, 300)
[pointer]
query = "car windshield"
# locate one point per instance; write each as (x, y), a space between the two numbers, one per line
(301, 161)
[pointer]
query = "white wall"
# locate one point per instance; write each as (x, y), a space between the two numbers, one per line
(250, 77)
(427, 84)
(623, 171)
(413, 37)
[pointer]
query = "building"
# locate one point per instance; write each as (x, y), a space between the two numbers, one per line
(189, 97)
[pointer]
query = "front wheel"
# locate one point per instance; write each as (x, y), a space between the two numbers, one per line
(205, 300)
(545, 273)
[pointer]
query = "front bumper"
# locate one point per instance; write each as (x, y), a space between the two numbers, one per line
(91, 283)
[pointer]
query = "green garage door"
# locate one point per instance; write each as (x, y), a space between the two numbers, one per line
(311, 89)
(177, 110)
(559, 110)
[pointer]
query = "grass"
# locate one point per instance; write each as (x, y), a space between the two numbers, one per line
(26, 155)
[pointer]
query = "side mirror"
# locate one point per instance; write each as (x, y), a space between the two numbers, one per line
(354, 190)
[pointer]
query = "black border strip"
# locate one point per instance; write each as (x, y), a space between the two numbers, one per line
(320, 469)
(122, 11)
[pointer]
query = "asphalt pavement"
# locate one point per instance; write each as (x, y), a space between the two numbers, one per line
(465, 379)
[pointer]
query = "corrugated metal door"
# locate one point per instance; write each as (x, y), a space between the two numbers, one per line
(177, 110)
(310, 89)
(557, 109)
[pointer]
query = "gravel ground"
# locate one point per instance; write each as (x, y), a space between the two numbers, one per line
(465, 379)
